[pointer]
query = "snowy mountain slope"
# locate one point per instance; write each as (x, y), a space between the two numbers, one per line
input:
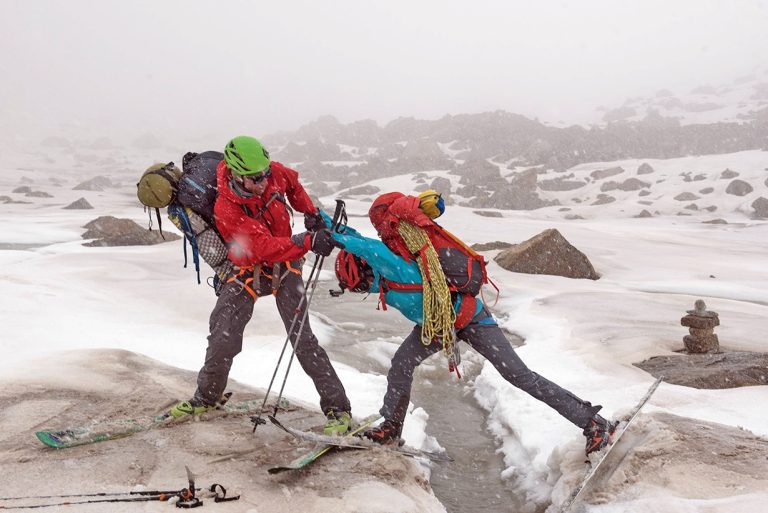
(737, 101)
(691, 186)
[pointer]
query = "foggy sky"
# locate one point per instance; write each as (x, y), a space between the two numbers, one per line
(195, 69)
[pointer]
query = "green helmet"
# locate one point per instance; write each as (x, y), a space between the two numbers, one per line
(246, 156)
(158, 185)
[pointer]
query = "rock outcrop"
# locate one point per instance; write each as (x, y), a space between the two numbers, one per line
(97, 183)
(727, 369)
(739, 188)
(111, 231)
(547, 253)
(761, 208)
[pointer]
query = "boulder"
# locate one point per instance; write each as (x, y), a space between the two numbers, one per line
(366, 190)
(38, 194)
(547, 253)
(111, 231)
(728, 174)
(490, 246)
(97, 183)
(603, 199)
(520, 194)
(81, 204)
(738, 188)
(686, 196)
(630, 184)
(644, 213)
(761, 208)
(707, 190)
(644, 169)
(24, 189)
(605, 173)
(319, 188)
(5, 199)
(715, 221)
(560, 184)
(443, 186)
(727, 369)
(487, 213)
(479, 172)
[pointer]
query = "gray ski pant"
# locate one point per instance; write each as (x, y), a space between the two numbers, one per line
(231, 314)
(489, 341)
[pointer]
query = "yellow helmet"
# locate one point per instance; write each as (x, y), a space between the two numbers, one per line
(431, 203)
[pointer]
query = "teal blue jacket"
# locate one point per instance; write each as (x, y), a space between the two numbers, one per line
(392, 267)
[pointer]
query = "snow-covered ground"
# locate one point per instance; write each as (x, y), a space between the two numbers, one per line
(584, 335)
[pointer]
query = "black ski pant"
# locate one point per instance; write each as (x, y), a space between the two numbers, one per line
(227, 323)
(489, 341)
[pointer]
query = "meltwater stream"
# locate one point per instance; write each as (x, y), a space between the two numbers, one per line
(473, 481)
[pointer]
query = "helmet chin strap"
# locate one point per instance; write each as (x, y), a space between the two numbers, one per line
(238, 189)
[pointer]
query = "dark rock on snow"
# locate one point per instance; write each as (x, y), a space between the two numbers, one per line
(605, 173)
(490, 246)
(487, 213)
(97, 183)
(761, 208)
(111, 231)
(81, 204)
(686, 196)
(644, 169)
(547, 253)
(738, 188)
(38, 194)
(727, 369)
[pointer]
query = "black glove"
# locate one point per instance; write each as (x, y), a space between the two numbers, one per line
(314, 222)
(322, 243)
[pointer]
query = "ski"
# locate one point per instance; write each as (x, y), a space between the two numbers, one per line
(576, 492)
(313, 455)
(354, 442)
(114, 430)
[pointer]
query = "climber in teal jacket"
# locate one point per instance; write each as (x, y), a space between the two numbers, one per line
(389, 272)
(367, 265)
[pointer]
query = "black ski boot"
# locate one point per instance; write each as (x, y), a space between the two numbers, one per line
(386, 433)
(599, 433)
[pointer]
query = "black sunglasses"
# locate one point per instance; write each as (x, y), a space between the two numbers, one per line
(257, 178)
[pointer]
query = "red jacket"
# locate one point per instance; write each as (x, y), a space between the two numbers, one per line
(267, 239)
(389, 209)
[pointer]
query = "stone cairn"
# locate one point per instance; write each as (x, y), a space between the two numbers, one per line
(701, 326)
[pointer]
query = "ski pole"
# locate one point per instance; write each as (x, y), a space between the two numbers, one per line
(97, 494)
(339, 213)
(257, 420)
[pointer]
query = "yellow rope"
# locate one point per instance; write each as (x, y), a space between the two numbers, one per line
(439, 315)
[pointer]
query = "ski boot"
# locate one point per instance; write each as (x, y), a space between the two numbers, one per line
(599, 433)
(197, 407)
(386, 433)
(337, 423)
